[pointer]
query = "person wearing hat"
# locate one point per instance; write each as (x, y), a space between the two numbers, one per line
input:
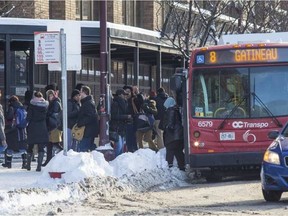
(73, 107)
(119, 118)
(173, 134)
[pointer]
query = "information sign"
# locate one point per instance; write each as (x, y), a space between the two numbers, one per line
(47, 47)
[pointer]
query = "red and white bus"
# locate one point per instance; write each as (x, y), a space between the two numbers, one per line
(233, 96)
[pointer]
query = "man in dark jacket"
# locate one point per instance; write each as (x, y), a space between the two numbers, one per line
(160, 99)
(87, 117)
(119, 119)
(173, 134)
(130, 127)
(73, 107)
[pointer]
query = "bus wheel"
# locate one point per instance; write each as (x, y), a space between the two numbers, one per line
(272, 196)
(213, 178)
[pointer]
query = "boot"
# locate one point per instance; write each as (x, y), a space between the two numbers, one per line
(49, 153)
(33, 158)
(39, 162)
(8, 161)
(29, 157)
(24, 161)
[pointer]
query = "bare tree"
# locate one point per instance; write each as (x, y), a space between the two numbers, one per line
(189, 24)
(20, 9)
(196, 23)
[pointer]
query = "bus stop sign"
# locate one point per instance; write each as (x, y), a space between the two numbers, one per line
(47, 47)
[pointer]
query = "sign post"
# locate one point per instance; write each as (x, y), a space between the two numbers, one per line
(50, 47)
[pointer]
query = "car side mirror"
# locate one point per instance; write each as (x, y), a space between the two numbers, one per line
(273, 134)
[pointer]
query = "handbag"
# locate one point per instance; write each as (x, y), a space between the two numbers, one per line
(78, 132)
(51, 122)
(142, 122)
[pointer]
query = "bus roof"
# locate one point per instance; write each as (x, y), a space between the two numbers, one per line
(276, 37)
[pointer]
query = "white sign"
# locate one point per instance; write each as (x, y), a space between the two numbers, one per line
(47, 47)
(72, 30)
(227, 136)
(20, 91)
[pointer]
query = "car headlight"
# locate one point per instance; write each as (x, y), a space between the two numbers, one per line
(271, 157)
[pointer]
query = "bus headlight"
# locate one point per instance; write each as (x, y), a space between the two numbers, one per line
(271, 157)
(198, 144)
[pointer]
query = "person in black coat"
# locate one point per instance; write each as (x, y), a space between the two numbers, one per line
(160, 99)
(37, 132)
(173, 134)
(87, 117)
(119, 118)
(73, 107)
(53, 122)
(16, 137)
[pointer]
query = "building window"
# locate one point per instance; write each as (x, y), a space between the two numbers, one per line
(130, 74)
(144, 78)
(129, 9)
(87, 10)
(20, 67)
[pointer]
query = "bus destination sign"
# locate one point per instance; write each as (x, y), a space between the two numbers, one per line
(240, 56)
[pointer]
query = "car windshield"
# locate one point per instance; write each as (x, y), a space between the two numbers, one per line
(250, 92)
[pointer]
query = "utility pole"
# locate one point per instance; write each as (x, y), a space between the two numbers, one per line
(104, 115)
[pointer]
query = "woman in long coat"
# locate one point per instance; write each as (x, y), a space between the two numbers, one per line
(173, 134)
(37, 132)
(55, 135)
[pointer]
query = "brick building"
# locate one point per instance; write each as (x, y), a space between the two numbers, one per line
(136, 54)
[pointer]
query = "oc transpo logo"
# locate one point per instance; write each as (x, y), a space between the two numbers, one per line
(241, 124)
(237, 124)
(249, 137)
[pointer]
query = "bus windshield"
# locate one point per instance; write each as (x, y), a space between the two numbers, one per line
(246, 92)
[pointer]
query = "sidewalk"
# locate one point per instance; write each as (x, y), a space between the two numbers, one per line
(16, 177)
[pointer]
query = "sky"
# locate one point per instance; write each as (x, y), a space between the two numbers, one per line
(136, 171)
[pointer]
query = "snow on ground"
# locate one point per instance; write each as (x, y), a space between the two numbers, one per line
(86, 174)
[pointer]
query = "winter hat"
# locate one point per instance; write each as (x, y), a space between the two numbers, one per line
(160, 90)
(121, 91)
(169, 102)
(74, 93)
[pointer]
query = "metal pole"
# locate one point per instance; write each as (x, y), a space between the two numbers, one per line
(64, 89)
(104, 116)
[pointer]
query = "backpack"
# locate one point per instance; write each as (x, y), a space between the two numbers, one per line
(20, 118)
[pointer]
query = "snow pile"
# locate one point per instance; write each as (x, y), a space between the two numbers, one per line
(89, 174)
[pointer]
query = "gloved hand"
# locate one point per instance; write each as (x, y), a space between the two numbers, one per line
(170, 126)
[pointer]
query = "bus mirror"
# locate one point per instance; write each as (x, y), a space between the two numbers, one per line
(176, 83)
(273, 134)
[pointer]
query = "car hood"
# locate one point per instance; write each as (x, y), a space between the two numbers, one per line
(283, 142)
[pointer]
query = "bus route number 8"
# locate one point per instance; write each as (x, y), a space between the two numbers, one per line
(212, 57)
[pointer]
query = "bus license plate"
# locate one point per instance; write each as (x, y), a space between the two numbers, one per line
(227, 136)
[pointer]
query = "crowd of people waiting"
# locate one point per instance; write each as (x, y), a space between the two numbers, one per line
(135, 120)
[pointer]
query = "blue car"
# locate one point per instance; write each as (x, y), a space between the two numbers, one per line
(274, 170)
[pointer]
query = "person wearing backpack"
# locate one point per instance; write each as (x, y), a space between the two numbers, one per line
(16, 115)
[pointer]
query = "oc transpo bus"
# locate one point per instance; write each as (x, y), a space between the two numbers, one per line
(233, 95)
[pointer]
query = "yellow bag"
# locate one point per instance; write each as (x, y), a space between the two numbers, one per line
(78, 132)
